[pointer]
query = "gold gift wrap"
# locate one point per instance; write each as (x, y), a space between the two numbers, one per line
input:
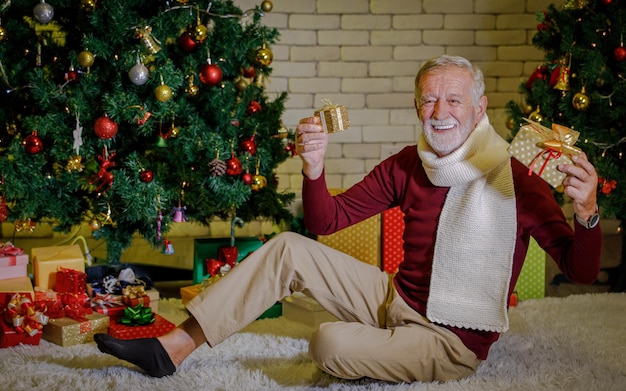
(334, 118)
(542, 149)
(68, 331)
(47, 260)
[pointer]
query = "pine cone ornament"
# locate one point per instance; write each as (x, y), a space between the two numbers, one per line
(217, 167)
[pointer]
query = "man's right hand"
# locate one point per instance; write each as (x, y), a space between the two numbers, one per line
(311, 145)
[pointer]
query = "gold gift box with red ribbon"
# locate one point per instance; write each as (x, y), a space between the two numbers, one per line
(542, 149)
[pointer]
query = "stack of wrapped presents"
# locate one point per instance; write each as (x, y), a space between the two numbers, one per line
(59, 305)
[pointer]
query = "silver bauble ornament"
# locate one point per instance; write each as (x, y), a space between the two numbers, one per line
(139, 74)
(43, 12)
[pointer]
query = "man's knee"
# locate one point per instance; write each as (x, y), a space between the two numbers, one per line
(326, 348)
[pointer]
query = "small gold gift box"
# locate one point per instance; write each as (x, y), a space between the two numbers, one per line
(334, 118)
(542, 149)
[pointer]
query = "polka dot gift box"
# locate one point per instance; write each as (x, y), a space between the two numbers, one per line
(542, 149)
(361, 240)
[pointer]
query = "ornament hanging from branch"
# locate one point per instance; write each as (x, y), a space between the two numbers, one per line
(144, 34)
(104, 178)
(43, 12)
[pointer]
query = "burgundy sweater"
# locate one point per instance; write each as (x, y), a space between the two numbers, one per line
(401, 180)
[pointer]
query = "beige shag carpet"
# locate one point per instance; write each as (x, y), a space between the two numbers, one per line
(572, 343)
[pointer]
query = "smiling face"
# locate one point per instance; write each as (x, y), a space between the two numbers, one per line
(448, 110)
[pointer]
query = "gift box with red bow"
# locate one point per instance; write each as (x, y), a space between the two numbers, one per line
(52, 302)
(21, 320)
(542, 149)
(13, 262)
(140, 322)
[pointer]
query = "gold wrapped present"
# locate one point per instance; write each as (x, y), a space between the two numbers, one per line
(68, 331)
(542, 149)
(334, 118)
(48, 260)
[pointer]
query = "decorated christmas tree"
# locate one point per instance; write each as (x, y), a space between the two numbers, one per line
(130, 115)
(582, 85)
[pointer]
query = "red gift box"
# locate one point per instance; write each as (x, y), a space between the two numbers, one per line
(133, 295)
(20, 320)
(108, 304)
(70, 281)
(51, 301)
(159, 327)
(393, 228)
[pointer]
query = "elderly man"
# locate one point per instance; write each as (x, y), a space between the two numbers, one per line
(470, 210)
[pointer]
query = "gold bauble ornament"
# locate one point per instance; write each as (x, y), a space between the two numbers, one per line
(581, 100)
(264, 56)
(258, 182)
(94, 224)
(536, 115)
(199, 32)
(267, 6)
(191, 90)
(3, 34)
(163, 93)
(88, 5)
(527, 109)
(86, 58)
(241, 84)
(510, 123)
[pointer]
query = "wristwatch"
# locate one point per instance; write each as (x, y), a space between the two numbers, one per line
(591, 222)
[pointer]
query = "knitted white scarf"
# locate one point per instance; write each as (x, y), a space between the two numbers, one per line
(476, 234)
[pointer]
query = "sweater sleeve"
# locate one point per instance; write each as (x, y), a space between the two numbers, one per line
(325, 214)
(576, 251)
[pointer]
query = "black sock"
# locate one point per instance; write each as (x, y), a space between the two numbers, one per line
(147, 353)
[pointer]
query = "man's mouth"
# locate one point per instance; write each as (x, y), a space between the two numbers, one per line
(441, 126)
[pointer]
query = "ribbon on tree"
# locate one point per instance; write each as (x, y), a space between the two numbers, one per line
(137, 316)
(24, 316)
(555, 141)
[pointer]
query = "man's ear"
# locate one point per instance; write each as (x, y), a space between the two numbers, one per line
(481, 109)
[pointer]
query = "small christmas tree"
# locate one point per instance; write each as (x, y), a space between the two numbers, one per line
(131, 114)
(582, 85)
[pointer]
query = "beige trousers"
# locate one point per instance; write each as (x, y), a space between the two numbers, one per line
(379, 335)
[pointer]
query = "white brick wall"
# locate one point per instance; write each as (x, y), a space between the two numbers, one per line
(364, 54)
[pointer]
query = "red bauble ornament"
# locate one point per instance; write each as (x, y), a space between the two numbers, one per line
(146, 176)
(606, 2)
(249, 72)
(253, 107)
(247, 178)
(619, 53)
(186, 42)
(32, 143)
(71, 75)
(248, 145)
(233, 166)
(105, 127)
(211, 74)
(541, 73)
